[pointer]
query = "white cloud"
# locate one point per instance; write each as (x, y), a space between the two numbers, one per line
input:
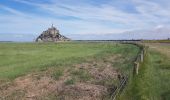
(101, 19)
(11, 10)
(159, 26)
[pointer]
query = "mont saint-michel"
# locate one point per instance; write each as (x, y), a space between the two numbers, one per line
(51, 35)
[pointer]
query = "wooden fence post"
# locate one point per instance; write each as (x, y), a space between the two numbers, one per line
(142, 55)
(136, 70)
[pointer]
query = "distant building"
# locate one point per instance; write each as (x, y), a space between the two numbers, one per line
(51, 35)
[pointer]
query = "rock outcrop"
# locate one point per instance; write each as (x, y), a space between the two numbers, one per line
(51, 35)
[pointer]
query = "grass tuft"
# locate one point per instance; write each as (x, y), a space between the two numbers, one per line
(56, 75)
(70, 81)
(82, 75)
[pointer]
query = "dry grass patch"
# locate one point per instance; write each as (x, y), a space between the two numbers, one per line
(93, 80)
(83, 91)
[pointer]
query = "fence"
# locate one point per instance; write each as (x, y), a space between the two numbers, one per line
(139, 59)
(120, 88)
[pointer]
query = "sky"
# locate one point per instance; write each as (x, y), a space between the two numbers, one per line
(24, 20)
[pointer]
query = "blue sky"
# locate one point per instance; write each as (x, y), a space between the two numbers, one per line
(25, 19)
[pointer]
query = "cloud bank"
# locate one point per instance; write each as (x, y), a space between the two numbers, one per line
(83, 17)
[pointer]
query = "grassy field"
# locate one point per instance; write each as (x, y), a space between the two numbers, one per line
(28, 68)
(156, 41)
(77, 65)
(19, 58)
(153, 80)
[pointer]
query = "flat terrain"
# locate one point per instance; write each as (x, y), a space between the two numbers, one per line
(64, 71)
(20, 58)
(153, 81)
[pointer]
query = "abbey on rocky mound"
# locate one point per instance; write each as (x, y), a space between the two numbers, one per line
(51, 35)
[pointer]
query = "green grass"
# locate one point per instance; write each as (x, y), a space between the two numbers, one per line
(153, 80)
(17, 59)
(156, 41)
(56, 74)
(70, 81)
(125, 64)
(82, 75)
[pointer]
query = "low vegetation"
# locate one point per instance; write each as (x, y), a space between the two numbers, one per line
(79, 70)
(83, 75)
(70, 81)
(56, 74)
(20, 58)
(75, 70)
(153, 80)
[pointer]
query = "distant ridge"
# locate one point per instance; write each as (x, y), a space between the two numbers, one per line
(6, 41)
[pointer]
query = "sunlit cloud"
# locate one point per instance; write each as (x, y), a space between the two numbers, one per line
(85, 17)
